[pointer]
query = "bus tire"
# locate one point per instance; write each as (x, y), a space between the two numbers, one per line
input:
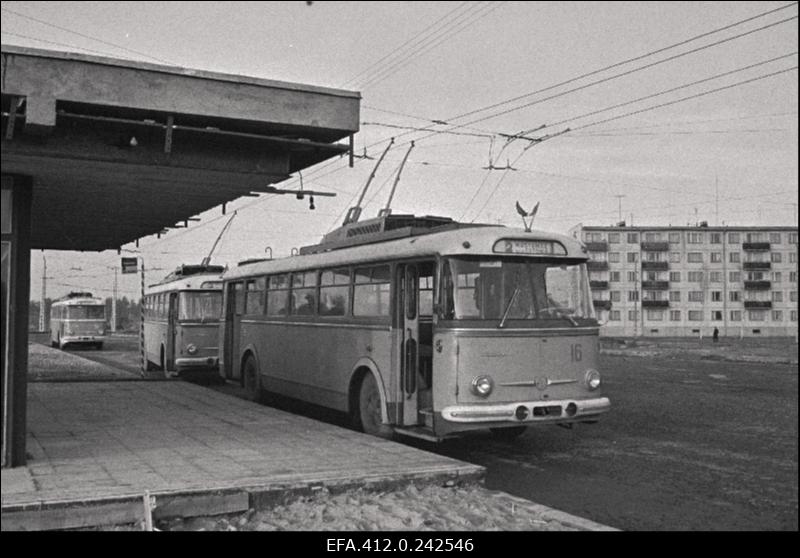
(250, 379)
(508, 433)
(369, 409)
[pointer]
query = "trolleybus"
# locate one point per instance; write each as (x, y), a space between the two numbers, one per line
(181, 321)
(78, 318)
(421, 326)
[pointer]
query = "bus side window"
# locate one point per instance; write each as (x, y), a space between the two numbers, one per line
(278, 295)
(255, 296)
(334, 292)
(304, 293)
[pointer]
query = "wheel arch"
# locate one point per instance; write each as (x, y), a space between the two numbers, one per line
(247, 352)
(363, 367)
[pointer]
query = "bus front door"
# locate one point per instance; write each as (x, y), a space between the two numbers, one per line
(408, 326)
(172, 328)
(234, 308)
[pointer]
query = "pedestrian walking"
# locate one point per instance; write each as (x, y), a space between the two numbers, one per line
(716, 335)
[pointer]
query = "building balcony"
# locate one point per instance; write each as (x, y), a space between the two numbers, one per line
(756, 265)
(655, 304)
(757, 285)
(602, 304)
(598, 285)
(756, 246)
(757, 304)
(655, 246)
(601, 246)
(655, 285)
(655, 266)
(592, 265)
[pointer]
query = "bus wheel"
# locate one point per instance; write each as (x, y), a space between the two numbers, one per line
(252, 387)
(369, 409)
(510, 433)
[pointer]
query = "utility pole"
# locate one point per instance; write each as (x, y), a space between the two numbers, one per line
(716, 200)
(44, 293)
(619, 199)
(114, 304)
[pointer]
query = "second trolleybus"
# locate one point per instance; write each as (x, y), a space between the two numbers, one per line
(78, 319)
(421, 326)
(181, 323)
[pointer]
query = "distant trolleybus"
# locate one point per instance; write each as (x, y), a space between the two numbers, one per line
(423, 327)
(181, 323)
(78, 318)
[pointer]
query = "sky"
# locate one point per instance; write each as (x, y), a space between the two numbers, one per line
(633, 128)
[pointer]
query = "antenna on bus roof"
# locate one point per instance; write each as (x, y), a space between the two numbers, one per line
(355, 212)
(207, 259)
(388, 209)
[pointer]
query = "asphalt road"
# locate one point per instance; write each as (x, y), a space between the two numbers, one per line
(688, 445)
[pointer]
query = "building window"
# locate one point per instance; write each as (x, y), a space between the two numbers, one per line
(716, 296)
(733, 257)
(695, 276)
(675, 257)
(674, 296)
(736, 315)
(675, 276)
(755, 237)
(793, 238)
(793, 277)
(695, 238)
(695, 296)
(792, 257)
(613, 276)
(777, 315)
(777, 277)
(633, 276)
(733, 238)
(655, 315)
(716, 238)
(792, 296)
(614, 316)
(775, 238)
(674, 238)
(633, 238)
(674, 315)
(716, 257)
(695, 315)
(735, 276)
(793, 315)
(776, 257)
(715, 277)
(613, 257)
(633, 315)
(632, 257)
(616, 296)
(756, 315)
(694, 257)
(754, 276)
(734, 296)
(633, 296)
(716, 315)
(652, 237)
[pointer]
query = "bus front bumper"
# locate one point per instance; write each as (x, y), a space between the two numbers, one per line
(83, 339)
(188, 363)
(528, 411)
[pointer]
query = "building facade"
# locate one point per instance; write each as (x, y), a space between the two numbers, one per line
(687, 281)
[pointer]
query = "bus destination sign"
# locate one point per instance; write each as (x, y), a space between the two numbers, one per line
(530, 247)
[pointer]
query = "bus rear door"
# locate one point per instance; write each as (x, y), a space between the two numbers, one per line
(408, 328)
(172, 329)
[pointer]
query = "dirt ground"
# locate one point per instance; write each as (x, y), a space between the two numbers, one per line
(776, 350)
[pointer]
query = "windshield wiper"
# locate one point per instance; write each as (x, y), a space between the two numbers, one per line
(508, 307)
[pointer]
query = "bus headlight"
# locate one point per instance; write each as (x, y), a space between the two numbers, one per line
(191, 349)
(101, 331)
(482, 386)
(592, 379)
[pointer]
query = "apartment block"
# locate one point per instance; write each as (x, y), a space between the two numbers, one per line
(686, 281)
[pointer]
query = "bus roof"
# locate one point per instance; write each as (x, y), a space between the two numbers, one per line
(197, 282)
(473, 241)
(79, 301)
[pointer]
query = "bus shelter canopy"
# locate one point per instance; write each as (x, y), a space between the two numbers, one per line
(116, 150)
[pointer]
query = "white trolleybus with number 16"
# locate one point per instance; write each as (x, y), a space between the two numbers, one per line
(421, 326)
(78, 319)
(181, 321)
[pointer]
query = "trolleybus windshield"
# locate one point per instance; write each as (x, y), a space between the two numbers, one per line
(200, 306)
(500, 288)
(86, 312)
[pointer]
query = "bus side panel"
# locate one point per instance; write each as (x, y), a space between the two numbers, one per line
(154, 334)
(319, 368)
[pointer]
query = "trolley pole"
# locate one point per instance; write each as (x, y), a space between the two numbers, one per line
(141, 322)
